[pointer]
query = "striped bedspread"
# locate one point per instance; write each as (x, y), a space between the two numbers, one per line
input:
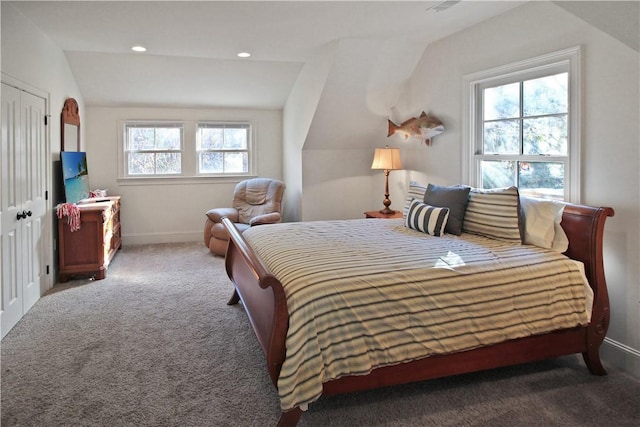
(368, 293)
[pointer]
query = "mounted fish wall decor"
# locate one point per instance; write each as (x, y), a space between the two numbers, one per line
(425, 127)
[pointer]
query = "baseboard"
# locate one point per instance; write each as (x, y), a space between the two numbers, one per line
(153, 238)
(621, 356)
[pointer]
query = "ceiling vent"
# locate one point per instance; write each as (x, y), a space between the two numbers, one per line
(443, 5)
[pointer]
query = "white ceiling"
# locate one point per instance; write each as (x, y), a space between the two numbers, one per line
(191, 58)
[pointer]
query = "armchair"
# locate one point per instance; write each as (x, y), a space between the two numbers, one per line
(255, 201)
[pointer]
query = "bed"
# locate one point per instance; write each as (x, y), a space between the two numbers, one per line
(267, 294)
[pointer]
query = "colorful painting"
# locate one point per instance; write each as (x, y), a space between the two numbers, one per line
(75, 175)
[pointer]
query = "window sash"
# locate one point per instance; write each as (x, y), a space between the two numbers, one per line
(225, 159)
(568, 61)
(153, 161)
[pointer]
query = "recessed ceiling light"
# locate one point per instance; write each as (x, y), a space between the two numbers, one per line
(139, 49)
(244, 54)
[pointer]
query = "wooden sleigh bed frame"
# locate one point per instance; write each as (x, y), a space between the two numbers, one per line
(264, 300)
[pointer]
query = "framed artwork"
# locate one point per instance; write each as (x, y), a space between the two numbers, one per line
(75, 175)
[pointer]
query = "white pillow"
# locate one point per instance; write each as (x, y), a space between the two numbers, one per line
(425, 218)
(542, 219)
(560, 240)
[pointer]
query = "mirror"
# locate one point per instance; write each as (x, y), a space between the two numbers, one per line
(70, 126)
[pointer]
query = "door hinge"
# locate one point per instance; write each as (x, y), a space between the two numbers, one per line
(47, 269)
(46, 194)
(46, 119)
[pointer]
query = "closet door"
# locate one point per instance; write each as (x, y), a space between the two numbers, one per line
(33, 196)
(22, 203)
(9, 208)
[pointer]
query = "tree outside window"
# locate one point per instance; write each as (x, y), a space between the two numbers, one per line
(524, 119)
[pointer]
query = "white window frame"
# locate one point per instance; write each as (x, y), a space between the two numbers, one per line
(189, 156)
(568, 60)
(225, 124)
(152, 124)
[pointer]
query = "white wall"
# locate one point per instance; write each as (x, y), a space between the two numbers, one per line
(32, 57)
(32, 61)
(352, 87)
(337, 184)
(610, 133)
(172, 210)
(333, 119)
(297, 117)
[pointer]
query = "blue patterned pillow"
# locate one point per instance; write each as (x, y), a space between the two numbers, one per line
(425, 218)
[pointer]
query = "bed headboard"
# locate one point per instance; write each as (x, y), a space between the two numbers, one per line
(584, 226)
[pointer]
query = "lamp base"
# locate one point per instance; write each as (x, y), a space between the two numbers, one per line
(387, 211)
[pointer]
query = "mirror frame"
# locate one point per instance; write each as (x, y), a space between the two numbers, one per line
(70, 116)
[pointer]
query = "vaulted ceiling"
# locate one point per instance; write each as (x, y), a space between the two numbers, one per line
(191, 58)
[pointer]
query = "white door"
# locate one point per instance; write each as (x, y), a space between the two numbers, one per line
(22, 203)
(11, 233)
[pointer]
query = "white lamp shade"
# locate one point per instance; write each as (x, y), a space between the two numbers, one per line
(387, 158)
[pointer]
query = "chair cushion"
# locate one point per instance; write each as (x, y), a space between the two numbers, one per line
(256, 192)
(257, 196)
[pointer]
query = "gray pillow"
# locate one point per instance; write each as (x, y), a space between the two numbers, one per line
(455, 198)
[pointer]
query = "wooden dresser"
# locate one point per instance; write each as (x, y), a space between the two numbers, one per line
(89, 250)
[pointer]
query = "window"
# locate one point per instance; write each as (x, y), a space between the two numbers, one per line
(153, 149)
(523, 127)
(180, 150)
(223, 148)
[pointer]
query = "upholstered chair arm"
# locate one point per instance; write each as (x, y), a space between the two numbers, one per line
(269, 218)
(216, 214)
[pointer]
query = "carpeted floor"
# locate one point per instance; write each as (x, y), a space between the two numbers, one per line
(154, 344)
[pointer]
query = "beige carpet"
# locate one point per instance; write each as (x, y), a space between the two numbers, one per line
(154, 344)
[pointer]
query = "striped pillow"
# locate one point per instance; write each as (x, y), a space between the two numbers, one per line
(494, 213)
(416, 191)
(425, 218)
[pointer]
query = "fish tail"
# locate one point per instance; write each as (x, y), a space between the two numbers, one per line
(392, 128)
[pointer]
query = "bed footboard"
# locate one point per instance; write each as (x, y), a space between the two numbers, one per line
(262, 296)
(584, 226)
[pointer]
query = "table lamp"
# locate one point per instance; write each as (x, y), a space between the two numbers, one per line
(386, 159)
